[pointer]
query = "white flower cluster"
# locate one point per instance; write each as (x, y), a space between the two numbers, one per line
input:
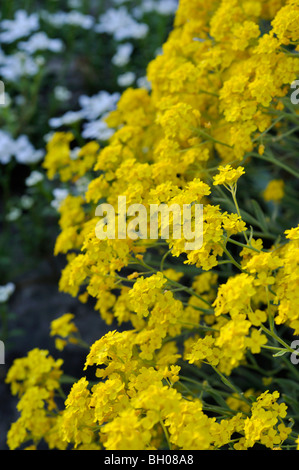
(93, 109)
(118, 22)
(121, 25)
(23, 62)
(162, 7)
(59, 195)
(17, 65)
(124, 22)
(123, 54)
(22, 25)
(20, 148)
(6, 291)
(40, 42)
(71, 18)
(34, 178)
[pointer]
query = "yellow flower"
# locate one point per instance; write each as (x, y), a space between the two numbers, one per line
(261, 150)
(228, 175)
(204, 350)
(293, 233)
(261, 425)
(274, 191)
(63, 326)
(220, 84)
(38, 368)
(257, 317)
(234, 296)
(255, 341)
(126, 432)
(65, 329)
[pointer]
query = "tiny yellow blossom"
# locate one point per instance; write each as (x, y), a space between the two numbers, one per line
(274, 191)
(228, 175)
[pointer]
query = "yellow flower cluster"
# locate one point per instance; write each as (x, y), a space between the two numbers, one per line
(228, 175)
(65, 330)
(35, 379)
(70, 164)
(132, 408)
(217, 88)
(274, 191)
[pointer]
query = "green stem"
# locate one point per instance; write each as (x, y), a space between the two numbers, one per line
(209, 93)
(249, 246)
(209, 137)
(269, 128)
(233, 191)
(274, 336)
(163, 260)
(282, 136)
(282, 165)
(232, 259)
(230, 385)
(165, 433)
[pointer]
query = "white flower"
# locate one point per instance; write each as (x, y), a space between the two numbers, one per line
(26, 201)
(24, 151)
(14, 66)
(40, 41)
(40, 60)
(6, 147)
(34, 178)
(82, 185)
(20, 100)
(70, 117)
(163, 7)
(97, 130)
(126, 79)
(22, 25)
(121, 25)
(74, 154)
(57, 20)
(73, 18)
(62, 93)
(5, 99)
(166, 7)
(59, 195)
(142, 82)
(74, 3)
(94, 106)
(48, 136)
(14, 214)
(123, 54)
(76, 18)
(21, 149)
(6, 291)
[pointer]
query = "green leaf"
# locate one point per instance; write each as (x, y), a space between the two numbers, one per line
(259, 215)
(281, 353)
